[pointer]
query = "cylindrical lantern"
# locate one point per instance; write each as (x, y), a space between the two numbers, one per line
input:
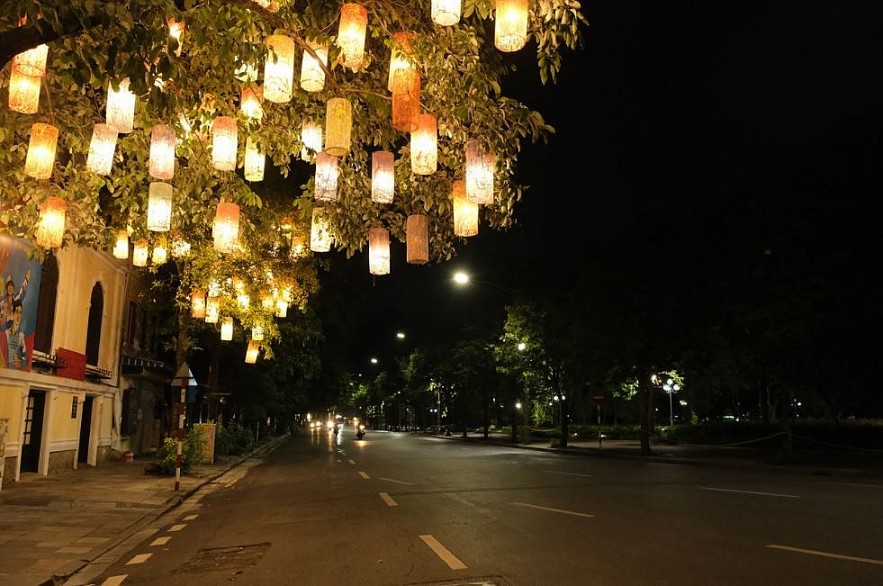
(159, 207)
(41, 151)
(311, 137)
(378, 251)
(254, 162)
(197, 305)
(445, 12)
(31, 62)
(351, 34)
(251, 353)
(312, 76)
(320, 231)
(24, 92)
(243, 299)
(417, 236)
(406, 100)
(176, 30)
(510, 25)
(120, 107)
(400, 59)
(298, 246)
(424, 146)
(257, 333)
(101, 149)
(121, 245)
(465, 211)
(338, 126)
(225, 229)
(279, 69)
(250, 102)
(50, 228)
(225, 141)
(160, 253)
(326, 177)
(281, 308)
(480, 165)
(212, 309)
(180, 247)
(139, 254)
(162, 152)
(226, 329)
(382, 177)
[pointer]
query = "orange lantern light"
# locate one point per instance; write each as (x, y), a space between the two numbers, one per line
(406, 100)
(226, 329)
(197, 305)
(311, 137)
(400, 58)
(338, 126)
(465, 211)
(445, 12)
(41, 151)
(254, 162)
(162, 152)
(320, 231)
(24, 92)
(326, 177)
(176, 30)
(312, 74)
(160, 253)
(252, 351)
(121, 245)
(281, 308)
(382, 177)
(480, 163)
(159, 207)
(212, 309)
(257, 333)
(225, 142)
(250, 102)
(101, 149)
(417, 236)
(31, 62)
(225, 229)
(50, 228)
(279, 69)
(424, 145)
(378, 251)
(510, 25)
(139, 254)
(351, 34)
(120, 111)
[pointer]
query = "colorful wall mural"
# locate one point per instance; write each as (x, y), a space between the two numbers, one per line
(18, 303)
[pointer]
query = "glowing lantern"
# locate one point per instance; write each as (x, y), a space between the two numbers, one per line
(212, 309)
(298, 248)
(378, 251)
(225, 141)
(226, 329)
(267, 301)
(251, 353)
(257, 333)
(445, 12)
(101, 149)
(139, 254)
(50, 228)
(24, 92)
(250, 102)
(159, 207)
(326, 177)
(417, 236)
(225, 229)
(121, 245)
(406, 101)
(162, 152)
(312, 76)
(279, 69)
(510, 25)
(254, 162)
(465, 211)
(400, 59)
(41, 151)
(180, 247)
(160, 253)
(31, 62)
(197, 305)
(382, 177)
(243, 299)
(424, 146)
(480, 165)
(320, 231)
(120, 107)
(351, 34)
(281, 308)
(311, 137)
(338, 126)
(176, 29)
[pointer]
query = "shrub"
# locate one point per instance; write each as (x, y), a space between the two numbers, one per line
(192, 452)
(233, 440)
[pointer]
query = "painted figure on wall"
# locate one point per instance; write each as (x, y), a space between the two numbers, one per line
(18, 305)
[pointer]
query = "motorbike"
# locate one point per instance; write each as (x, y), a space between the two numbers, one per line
(360, 433)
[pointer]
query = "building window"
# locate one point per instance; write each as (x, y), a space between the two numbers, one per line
(127, 406)
(46, 305)
(93, 331)
(132, 323)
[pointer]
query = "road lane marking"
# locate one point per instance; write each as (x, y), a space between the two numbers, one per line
(825, 554)
(568, 473)
(190, 517)
(160, 541)
(562, 511)
(139, 559)
(364, 475)
(388, 500)
(115, 580)
(442, 552)
(786, 496)
(861, 484)
(353, 462)
(396, 481)
(177, 527)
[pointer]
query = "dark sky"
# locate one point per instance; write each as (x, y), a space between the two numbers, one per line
(673, 113)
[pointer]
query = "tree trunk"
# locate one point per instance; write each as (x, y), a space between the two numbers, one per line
(645, 405)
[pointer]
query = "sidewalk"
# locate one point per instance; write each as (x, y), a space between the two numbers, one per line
(53, 526)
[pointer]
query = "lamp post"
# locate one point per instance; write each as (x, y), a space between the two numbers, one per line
(671, 387)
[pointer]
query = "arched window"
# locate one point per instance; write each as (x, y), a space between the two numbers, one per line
(46, 305)
(93, 331)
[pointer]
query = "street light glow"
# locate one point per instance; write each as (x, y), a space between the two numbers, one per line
(400, 335)
(373, 360)
(521, 346)
(461, 278)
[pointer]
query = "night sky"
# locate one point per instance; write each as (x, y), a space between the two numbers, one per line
(671, 119)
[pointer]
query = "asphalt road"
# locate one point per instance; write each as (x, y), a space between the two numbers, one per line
(401, 509)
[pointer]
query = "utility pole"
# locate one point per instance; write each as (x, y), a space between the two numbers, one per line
(183, 376)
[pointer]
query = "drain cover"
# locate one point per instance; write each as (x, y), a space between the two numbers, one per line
(233, 557)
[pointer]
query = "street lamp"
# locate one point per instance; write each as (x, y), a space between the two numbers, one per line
(671, 387)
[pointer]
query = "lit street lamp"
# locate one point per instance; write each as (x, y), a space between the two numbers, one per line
(671, 387)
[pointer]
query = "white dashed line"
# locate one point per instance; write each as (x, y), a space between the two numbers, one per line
(364, 475)
(139, 559)
(190, 517)
(551, 510)
(115, 580)
(160, 541)
(785, 496)
(442, 552)
(388, 500)
(177, 527)
(396, 481)
(825, 554)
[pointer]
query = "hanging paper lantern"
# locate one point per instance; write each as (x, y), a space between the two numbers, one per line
(176, 30)
(351, 34)
(226, 329)
(243, 299)
(279, 69)
(445, 12)
(50, 227)
(382, 176)
(267, 301)
(465, 211)
(417, 236)
(311, 137)
(254, 162)
(250, 102)
(406, 100)
(121, 245)
(159, 207)
(510, 25)
(251, 353)
(480, 165)
(162, 152)
(197, 305)
(326, 177)
(257, 333)
(320, 231)
(400, 59)
(31, 62)
(101, 149)
(139, 254)
(120, 107)
(312, 76)
(424, 146)
(338, 126)
(298, 246)
(24, 92)
(180, 247)
(378, 251)
(212, 309)
(41, 151)
(225, 229)
(160, 253)
(225, 142)
(281, 308)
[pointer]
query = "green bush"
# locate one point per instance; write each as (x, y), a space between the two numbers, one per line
(233, 440)
(193, 452)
